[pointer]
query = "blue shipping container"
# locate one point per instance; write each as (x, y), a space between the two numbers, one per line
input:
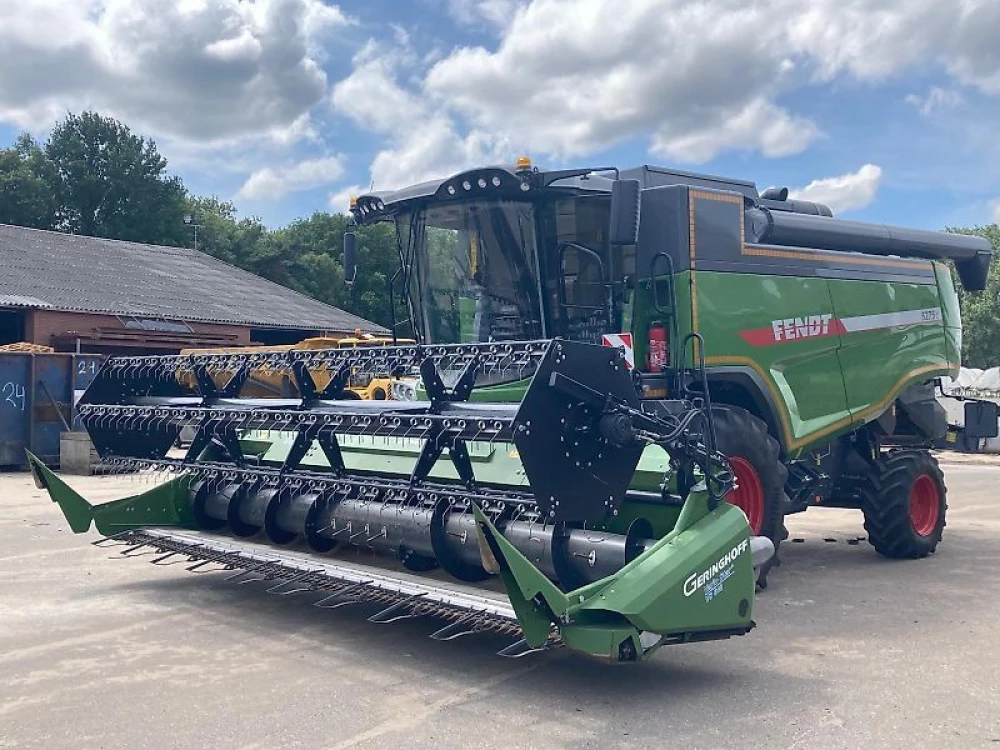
(38, 396)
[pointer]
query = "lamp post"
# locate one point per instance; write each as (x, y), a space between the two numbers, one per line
(189, 219)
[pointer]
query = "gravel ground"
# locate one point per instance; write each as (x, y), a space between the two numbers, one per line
(851, 651)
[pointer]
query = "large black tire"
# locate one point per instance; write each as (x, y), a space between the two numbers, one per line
(755, 457)
(905, 504)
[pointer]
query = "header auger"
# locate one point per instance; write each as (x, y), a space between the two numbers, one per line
(575, 548)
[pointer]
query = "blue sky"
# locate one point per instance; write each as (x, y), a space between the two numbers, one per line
(885, 110)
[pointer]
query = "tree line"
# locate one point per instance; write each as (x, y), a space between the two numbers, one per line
(94, 176)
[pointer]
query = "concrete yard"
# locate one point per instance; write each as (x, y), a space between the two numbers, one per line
(851, 651)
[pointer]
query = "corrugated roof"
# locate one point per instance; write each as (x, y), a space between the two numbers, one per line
(51, 270)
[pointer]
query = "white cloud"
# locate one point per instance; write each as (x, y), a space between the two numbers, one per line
(274, 182)
(197, 71)
(423, 142)
(340, 201)
(497, 14)
(372, 97)
(846, 192)
(873, 40)
(559, 79)
(572, 78)
(995, 210)
(760, 126)
(935, 100)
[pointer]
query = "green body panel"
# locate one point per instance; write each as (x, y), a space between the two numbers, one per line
(697, 579)
(822, 385)
(163, 505)
(494, 463)
(877, 364)
(506, 393)
(952, 315)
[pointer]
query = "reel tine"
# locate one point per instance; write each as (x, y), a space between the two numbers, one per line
(276, 589)
(114, 539)
(340, 595)
(159, 561)
(244, 572)
(389, 615)
(457, 629)
(520, 649)
(131, 551)
(193, 555)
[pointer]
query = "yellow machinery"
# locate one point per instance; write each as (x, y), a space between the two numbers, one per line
(264, 383)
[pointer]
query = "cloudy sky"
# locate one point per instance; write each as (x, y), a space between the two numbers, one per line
(888, 111)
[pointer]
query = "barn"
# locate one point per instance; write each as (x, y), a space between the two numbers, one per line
(92, 295)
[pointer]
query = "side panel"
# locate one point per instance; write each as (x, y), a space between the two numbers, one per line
(952, 314)
(779, 326)
(892, 334)
(779, 310)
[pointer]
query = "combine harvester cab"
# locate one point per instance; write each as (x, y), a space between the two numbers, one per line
(581, 558)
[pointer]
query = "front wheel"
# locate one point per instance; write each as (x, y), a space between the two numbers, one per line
(755, 458)
(905, 504)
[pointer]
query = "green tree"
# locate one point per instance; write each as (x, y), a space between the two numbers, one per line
(223, 234)
(981, 310)
(310, 253)
(27, 198)
(112, 183)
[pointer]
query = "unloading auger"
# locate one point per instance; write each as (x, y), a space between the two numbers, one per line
(536, 493)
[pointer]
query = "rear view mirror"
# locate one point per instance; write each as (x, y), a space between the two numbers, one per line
(350, 257)
(624, 226)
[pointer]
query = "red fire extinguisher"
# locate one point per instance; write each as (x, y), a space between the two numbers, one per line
(656, 354)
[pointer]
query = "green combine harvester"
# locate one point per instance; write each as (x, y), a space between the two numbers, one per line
(623, 382)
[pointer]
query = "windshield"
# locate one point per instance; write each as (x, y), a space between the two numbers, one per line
(472, 271)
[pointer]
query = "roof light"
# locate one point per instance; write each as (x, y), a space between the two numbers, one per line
(482, 182)
(496, 180)
(466, 185)
(523, 164)
(354, 202)
(451, 190)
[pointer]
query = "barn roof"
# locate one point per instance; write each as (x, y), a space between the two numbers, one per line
(52, 270)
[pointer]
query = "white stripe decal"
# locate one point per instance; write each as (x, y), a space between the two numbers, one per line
(621, 341)
(890, 320)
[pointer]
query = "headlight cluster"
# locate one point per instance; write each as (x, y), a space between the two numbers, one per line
(367, 206)
(474, 182)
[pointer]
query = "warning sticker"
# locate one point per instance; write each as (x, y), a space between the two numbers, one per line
(621, 341)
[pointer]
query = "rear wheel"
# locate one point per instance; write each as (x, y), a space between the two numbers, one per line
(755, 458)
(905, 505)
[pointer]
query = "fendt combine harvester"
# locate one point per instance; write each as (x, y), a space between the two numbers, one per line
(623, 382)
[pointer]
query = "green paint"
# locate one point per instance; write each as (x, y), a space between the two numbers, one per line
(826, 385)
(163, 505)
(665, 591)
(495, 464)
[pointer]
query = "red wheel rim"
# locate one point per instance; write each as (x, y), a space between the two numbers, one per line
(925, 505)
(749, 493)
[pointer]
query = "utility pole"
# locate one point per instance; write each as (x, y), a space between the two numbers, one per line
(190, 220)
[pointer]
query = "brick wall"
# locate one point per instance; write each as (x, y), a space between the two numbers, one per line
(49, 326)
